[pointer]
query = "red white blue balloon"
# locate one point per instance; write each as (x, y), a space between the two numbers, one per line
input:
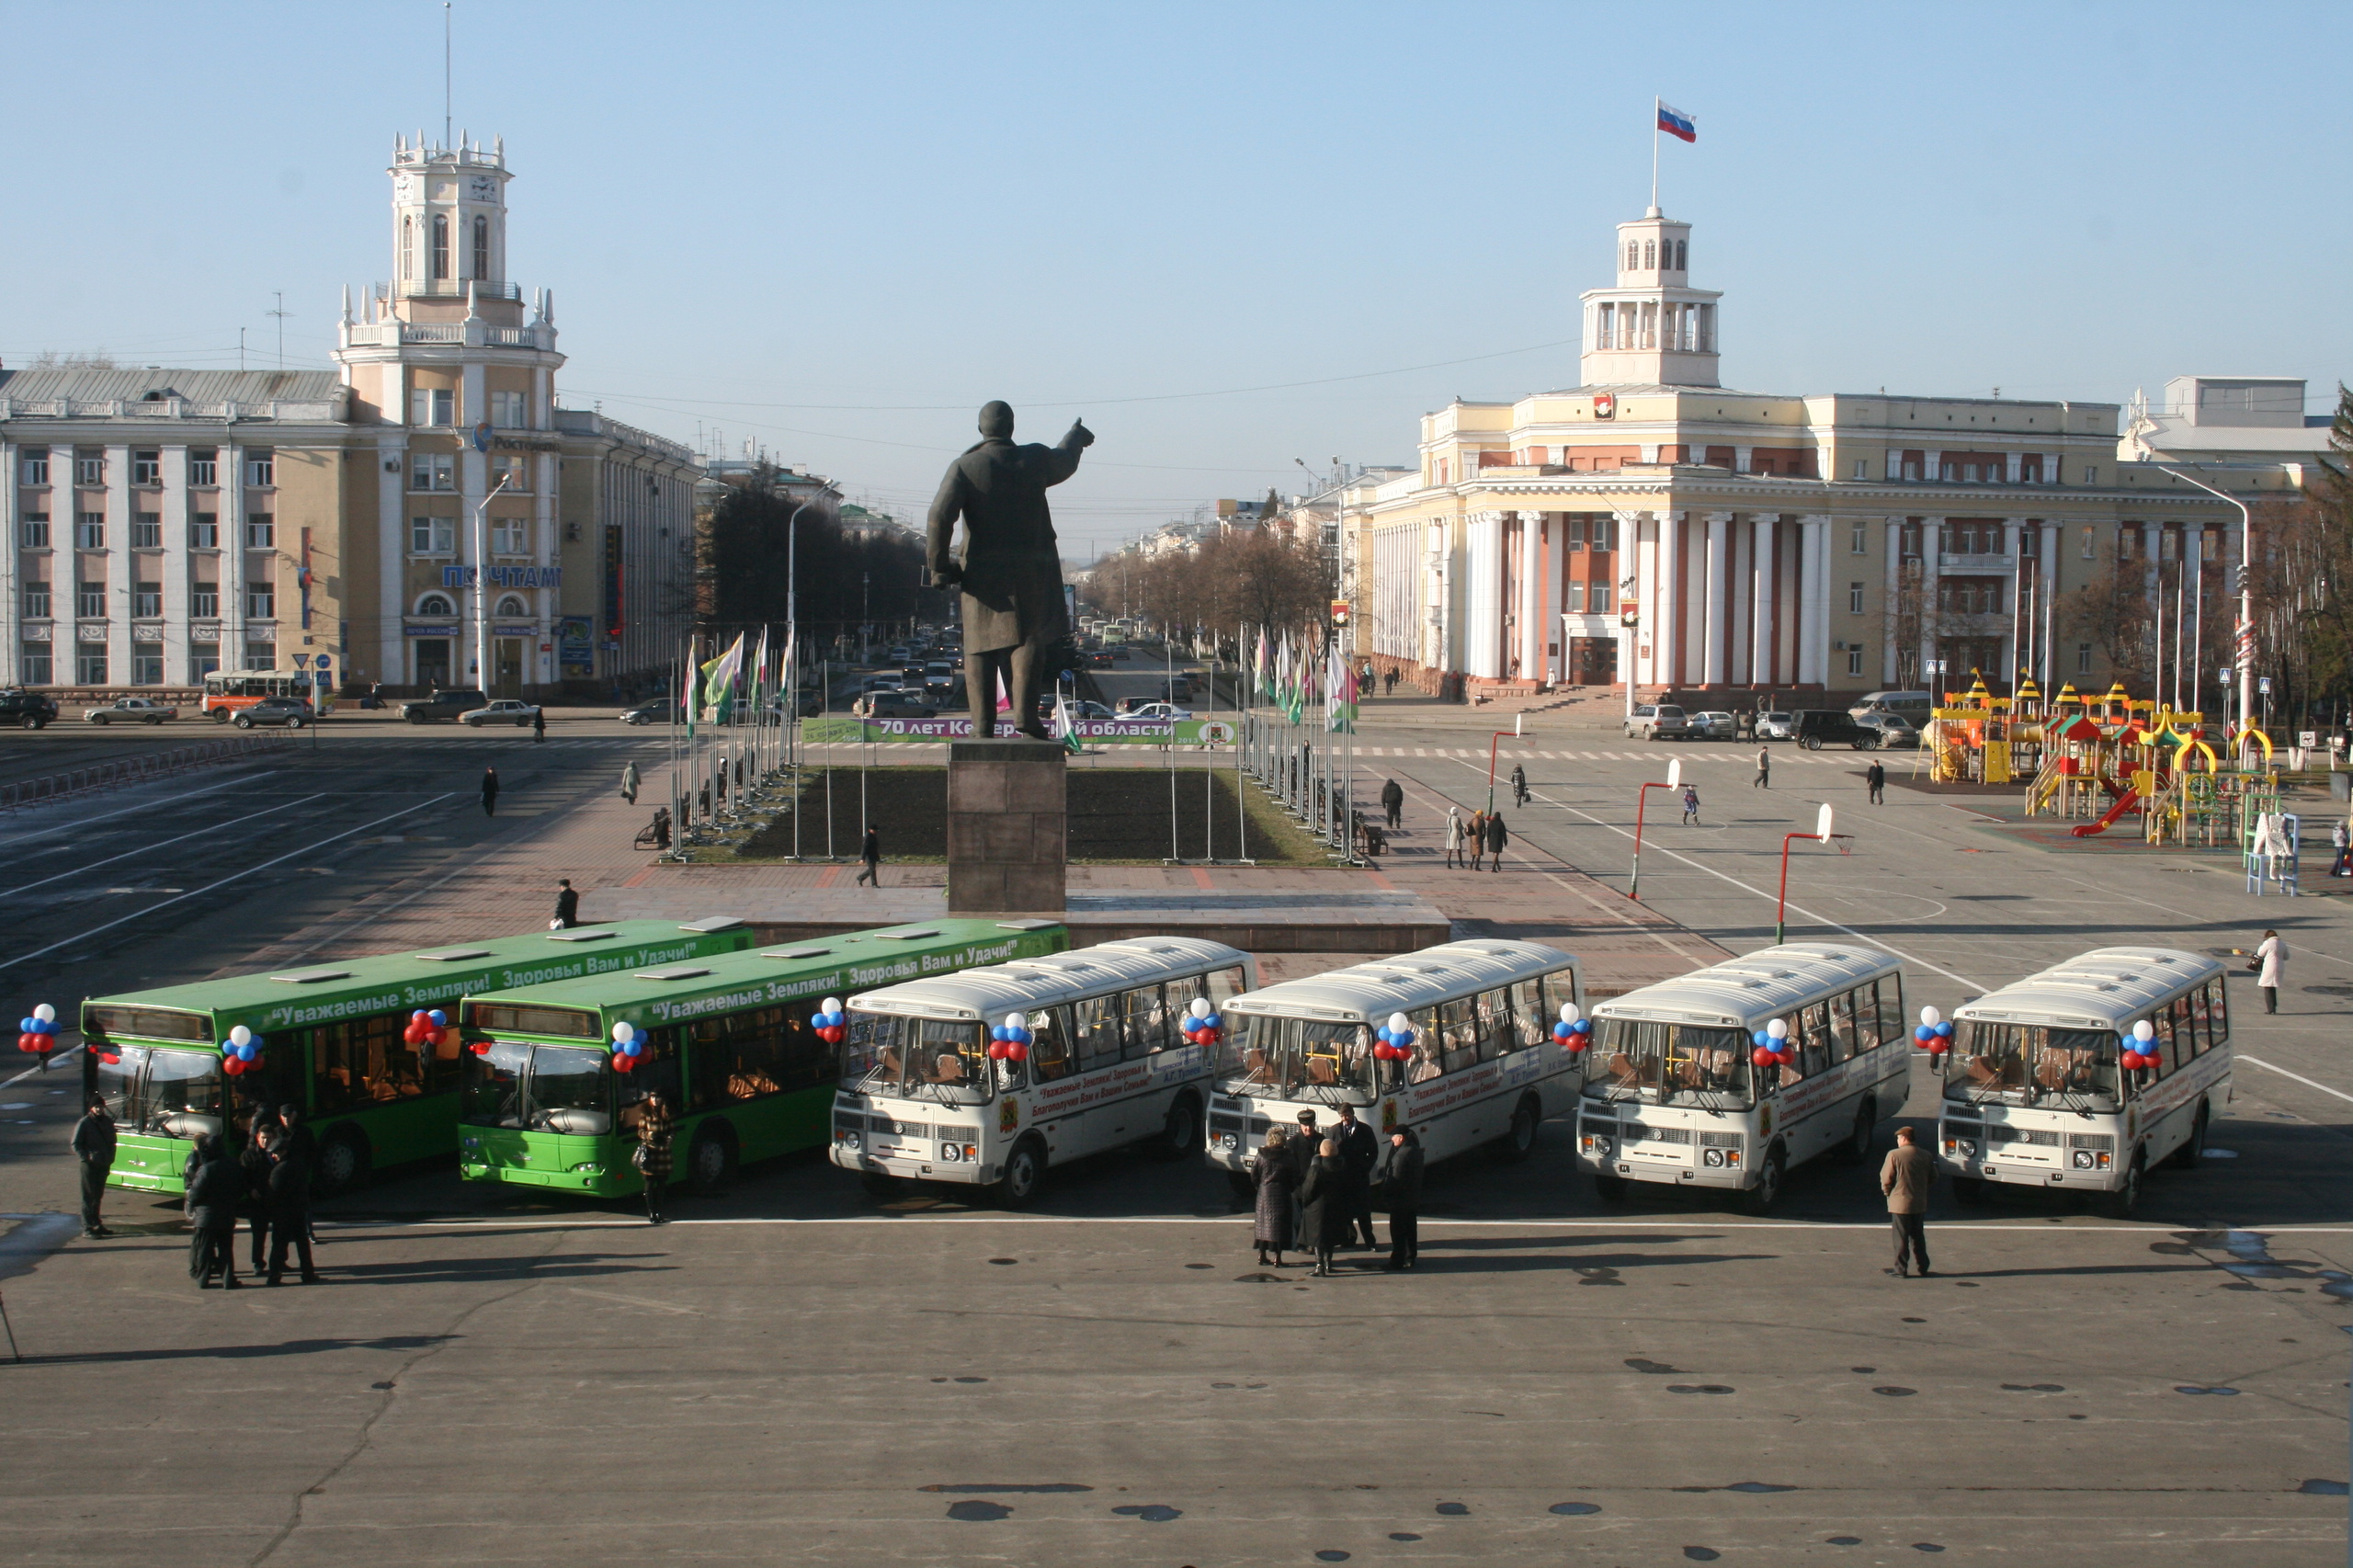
(37, 1031)
(830, 1022)
(1010, 1041)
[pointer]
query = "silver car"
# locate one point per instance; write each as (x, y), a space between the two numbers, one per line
(1712, 727)
(1777, 726)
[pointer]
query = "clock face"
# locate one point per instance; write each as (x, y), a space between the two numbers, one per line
(484, 189)
(404, 187)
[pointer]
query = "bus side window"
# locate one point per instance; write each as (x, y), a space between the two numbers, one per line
(1458, 1034)
(1891, 1026)
(1811, 1027)
(1222, 986)
(1049, 1043)
(1530, 1025)
(1429, 1037)
(1146, 1018)
(801, 1059)
(1495, 1025)
(2185, 1045)
(1094, 1028)
(1867, 1031)
(1842, 1027)
(2220, 1010)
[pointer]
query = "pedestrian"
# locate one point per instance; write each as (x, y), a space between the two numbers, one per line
(567, 907)
(1390, 683)
(259, 1155)
(1323, 1205)
(654, 1131)
(303, 1144)
(1519, 785)
(1359, 1152)
(2341, 840)
(287, 1196)
(1764, 780)
(629, 782)
(1876, 776)
(490, 792)
(869, 854)
(93, 1147)
(1691, 805)
(539, 725)
(214, 1190)
(1905, 1178)
(1400, 1190)
(1478, 831)
(2270, 957)
(1275, 1178)
(1453, 836)
(661, 829)
(1495, 836)
(1392, 801)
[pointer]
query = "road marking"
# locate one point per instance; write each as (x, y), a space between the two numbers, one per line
(149, 849)
(224, 881)
(63, 1055)
(80, 822)
(2250, 1061)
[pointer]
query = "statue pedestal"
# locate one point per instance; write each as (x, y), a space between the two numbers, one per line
(1008, 827)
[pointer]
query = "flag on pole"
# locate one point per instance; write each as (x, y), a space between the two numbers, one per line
(1266, 672)
(1070, 743)
(718, 678)
(1675, 122)
(1342, 720)
(689, 693)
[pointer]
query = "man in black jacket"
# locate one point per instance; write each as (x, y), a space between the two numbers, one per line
(1401, 1188)
(289, 1200)
(94, 1146)
(1392, 801)
(567, 905)
(1359, 1152)
(213, 1191)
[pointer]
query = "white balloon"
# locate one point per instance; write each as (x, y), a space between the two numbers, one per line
(1016, 1021)
(621, 1033)
(2145, 1031)
(1931, 1018)
(45, 1013)
(240, 1036)
(831, 1004)
(1399, 1022)
(1778, 1030)
(1200, 1008)
(1569, 1014)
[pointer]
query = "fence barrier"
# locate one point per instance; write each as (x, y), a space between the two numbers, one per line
(123, 772)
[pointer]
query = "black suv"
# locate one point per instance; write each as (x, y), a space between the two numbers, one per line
(1818, 727)
(443, 706)
(28, 710)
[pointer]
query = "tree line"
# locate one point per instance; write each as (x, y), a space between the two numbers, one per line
(845, 576)
(1253, 576)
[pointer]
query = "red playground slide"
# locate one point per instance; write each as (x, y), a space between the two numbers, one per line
(2124, 803)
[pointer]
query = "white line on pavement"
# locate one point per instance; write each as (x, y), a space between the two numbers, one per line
(150, 847)
(65, 1055)
(80, 822)
(2323, 1088)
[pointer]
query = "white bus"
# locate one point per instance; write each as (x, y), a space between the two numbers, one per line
(1676, 1092)
(1483, 1066)
(2037, 1091)
(1107, 1063)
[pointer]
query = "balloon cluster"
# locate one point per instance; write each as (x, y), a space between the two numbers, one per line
(628, 1047)
(830, 1022)
(1772, 1045)
(1202, 1024)
(2141, 1047)
(428, 1028)
(1572, 1030)
(37, 1036)
(1934, 1031)
(1010, 1041)
(1394, 1040)
(241, 1052)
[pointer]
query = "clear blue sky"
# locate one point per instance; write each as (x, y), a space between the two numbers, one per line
(837, 229)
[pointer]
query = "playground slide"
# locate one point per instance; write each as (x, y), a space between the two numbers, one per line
(2124, 803)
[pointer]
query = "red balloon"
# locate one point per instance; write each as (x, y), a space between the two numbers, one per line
(1017, 1051)
(1763, 1056)
(231, 1066)
(28, 1043)
(482, 1048)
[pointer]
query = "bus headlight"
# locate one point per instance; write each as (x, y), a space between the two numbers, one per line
(846, 1138)
(951, 1153)
(1598, 1145)
(1967, 1148)
(1229, 1140)
(1714, 1157)
(2084, 1160)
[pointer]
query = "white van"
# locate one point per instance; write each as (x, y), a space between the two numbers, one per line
(1918, 707)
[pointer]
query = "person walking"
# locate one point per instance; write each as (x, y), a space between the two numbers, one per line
(287, 1196)
(629, 782)
(1478, 832)
(1453, 836)
(1389, 682)
(2270, 959)
(214, 1190)
(654, 1131)
(567, 907)
(302, 1144)
(1392, 801)
(539, 725)
(1323, 1205)
(2341, 840)
(870, 855)
(94, 1149)
(1275, 1177)
(262, 1141)
(1360, 1150)
(1519, 785)
(1495, 836)
(1400, 1190)
(1905, 1177)
(1876, 776)
(490, 792)
(1690, 806)
(1764, 780)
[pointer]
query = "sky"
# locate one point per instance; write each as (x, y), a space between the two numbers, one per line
(1233, 237)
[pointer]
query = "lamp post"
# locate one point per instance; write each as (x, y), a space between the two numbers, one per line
(1781, 904)
(481, 585)
(2243, 655)
(1642, 797)
(1495, 739)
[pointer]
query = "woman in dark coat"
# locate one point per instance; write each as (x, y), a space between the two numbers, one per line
(1277, 1181)
(654, 1131)
(1323, 1205)
(1493, 837)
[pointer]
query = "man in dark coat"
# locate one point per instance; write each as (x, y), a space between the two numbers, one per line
(1359, 1152)
(567, 903)
(93, 1147)
(1010, 567)
(1401, 1189)
(288, 1199)
(256, 1162)
(490, 792)
(215, 1188)
(1392, 801)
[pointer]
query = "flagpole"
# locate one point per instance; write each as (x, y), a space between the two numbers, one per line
(1656, 102)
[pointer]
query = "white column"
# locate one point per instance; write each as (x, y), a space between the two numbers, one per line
(2049, 676)
(1532, 530)
(1932, 465)
(1932, 543)
(1762, 670)
(2050, 468)
(2017, 463)
(1714, 629)
(1741, 600)
(176, 562)
(1813, 608)
(390, 658)
(547, 553)
(122, 567)
(1895, 581)
(1740, 459)
(230, 469)
(1665, 644)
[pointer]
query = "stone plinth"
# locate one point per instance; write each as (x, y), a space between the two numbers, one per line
(1008, 827)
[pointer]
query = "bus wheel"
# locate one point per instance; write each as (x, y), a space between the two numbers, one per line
(2186, 1157)
(1760, 1199)
(2125, 1199)
(1181, 1134)
(1025, 1172)
(712, 1161)
(1858, 1146)
(1520, 1139)
(1609, 1188)
(343, 1160)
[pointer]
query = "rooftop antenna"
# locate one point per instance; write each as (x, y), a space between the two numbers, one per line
(282, 313)
(446, 116)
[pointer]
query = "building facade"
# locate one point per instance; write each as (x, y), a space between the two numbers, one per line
(1648, 526)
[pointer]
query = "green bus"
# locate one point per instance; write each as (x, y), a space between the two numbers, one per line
(333, 1044)
(728, 1043)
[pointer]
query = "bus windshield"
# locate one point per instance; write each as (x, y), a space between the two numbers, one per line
(923, 1059)
(1687, 1064)
(2032, 1064)
(175, 1093)
(1300, 1058)
(541, 1089)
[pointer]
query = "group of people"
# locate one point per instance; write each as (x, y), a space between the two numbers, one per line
(1480, 836)
(1315, 1190)
(268, 1185)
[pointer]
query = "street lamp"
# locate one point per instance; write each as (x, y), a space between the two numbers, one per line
(481, 583)
(1781, 905)
(2243, 653)
(1641, 798)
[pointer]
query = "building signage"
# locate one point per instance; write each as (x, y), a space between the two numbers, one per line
(1604, 405)
(505, 576)
(574, 641)
(410, 628)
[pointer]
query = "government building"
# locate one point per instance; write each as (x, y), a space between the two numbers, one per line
(424, 516)
(1650, 524)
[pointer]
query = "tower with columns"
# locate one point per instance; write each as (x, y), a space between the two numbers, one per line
(1651, 327)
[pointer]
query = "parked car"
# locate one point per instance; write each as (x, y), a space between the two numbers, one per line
(811, 705)
(506, 710)
(1819, 727)
(881, 683)
(292, 712)
(28, 710)
(893, 705)
(655, 713)
(1088, 713)
(132, 710)
(443, 706)
(1775, 725)
(1712, 726)
(1664, 722)
(1895, 731)
(1157, 712)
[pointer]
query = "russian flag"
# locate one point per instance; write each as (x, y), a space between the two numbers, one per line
(1675, 122)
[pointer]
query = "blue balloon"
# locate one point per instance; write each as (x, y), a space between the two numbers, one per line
(996, 1033)
(1922, 1033)
(1944, 1030)
(636, 1047)
(440, 1020)
(246, 1053)
(1212, 1021)
(29, 1025)
(1583, 1026)
(1761, 1038)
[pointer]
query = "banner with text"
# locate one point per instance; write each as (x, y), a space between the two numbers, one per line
(839, 729)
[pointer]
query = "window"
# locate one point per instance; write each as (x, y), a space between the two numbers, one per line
(1573, 598)
(1573, 533)
(32, 663)
(408, 245)
(261, 468)
(32, 530)
(1458, 1029)
(1634, 255)
(1599, 598)
(204, 601)
(203, 658)
(90, 664)
(261, 656)
(146, 664)
(481, 245)
(2167, 544)
(146, 531)
(36, 600)
(1605, 533)
(1854, 661)
(146, 466)
(506, 410)
(204, 531)
(512, 469)
(1948, 472)
(1854, 598)
(89, 530)
(89, 468)
(90, 600)
(261, 601)
(434, 604)
(507, 536)
(1683, 255)
(440, 246)
(1911, 472)
(511, 606)
(1145, 1018)
(366, 1061)
(2091, 476)
(203, 468)
(2083, 658)
(433, 536)
(146, 601)
(433, 406)
(1908, 540)
(2091, 543)
(1861, 467)
(2029, 541)
(433, 471)
(32, 467)
(1859, 538)
(261, 531)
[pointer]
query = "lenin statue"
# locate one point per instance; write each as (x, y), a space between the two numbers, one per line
(1010, 569)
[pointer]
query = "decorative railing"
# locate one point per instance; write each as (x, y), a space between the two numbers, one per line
(98, 776)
